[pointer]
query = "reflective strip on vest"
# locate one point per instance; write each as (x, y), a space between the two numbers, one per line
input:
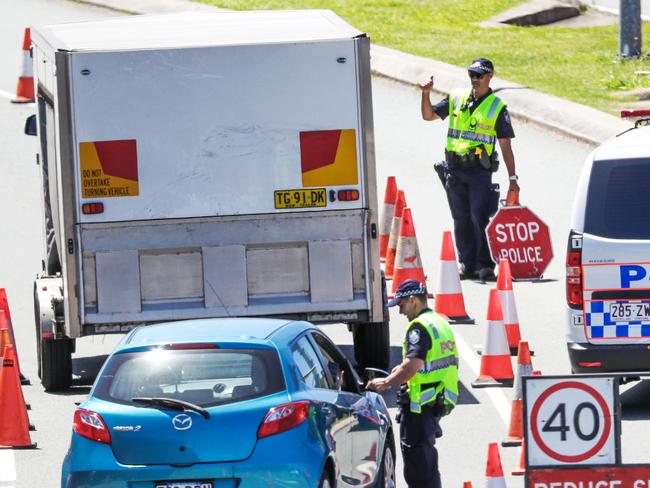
(439, 364)
(451, 396)
(471, 136)
(493, 108)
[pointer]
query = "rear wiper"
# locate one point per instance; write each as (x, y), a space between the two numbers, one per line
(172, 403)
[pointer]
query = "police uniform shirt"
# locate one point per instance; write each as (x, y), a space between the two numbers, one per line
(418, 341)
(503, 125)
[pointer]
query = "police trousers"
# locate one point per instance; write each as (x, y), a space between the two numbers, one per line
(418, 432)
(468, 194)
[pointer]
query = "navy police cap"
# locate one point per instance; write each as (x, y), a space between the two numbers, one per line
(406, 289)
(481, 66)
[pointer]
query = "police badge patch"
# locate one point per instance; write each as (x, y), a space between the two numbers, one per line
(414, 336)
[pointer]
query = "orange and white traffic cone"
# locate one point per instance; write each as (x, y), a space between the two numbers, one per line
(408, 265)
(387, 216)
(25, 88)
(510, 318)
(496, 369)
(494, 471)
(449, 294)
(14, 424)
(391, 250)
(516, 428)
(521, 470)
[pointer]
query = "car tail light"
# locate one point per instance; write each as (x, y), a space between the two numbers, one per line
(91, 426)
(574, 279)
(92, 208)
(591, 364)
(348, 195)
(282, 418)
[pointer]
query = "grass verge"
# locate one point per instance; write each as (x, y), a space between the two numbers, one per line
(579, 64)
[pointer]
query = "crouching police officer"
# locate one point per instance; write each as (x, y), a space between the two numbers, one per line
(429, 369)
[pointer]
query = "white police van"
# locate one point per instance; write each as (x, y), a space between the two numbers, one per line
(608, 256)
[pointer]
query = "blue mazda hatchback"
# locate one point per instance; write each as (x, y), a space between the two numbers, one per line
(226, 403)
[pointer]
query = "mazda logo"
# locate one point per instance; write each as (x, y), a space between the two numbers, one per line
(182, 422)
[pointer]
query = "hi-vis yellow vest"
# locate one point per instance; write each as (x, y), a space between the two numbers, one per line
(467, 129)
(440, 366)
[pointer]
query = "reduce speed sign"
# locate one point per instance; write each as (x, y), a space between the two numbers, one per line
(571, 420)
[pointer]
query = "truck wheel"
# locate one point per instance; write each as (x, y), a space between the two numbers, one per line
(372, 345)
(56, 364)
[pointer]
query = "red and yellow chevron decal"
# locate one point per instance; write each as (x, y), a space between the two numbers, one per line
(109, 168)
(329, 157)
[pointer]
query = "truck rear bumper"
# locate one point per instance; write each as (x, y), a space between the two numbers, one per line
(591, 358)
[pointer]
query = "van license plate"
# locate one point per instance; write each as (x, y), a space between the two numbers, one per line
(629, 311)
(314, 197)
(184, 484)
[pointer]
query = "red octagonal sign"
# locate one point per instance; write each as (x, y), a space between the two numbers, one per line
(517, 234)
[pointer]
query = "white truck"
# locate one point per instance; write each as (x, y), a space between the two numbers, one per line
(205, 165)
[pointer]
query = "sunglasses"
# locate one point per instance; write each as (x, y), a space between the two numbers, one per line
(475, 76)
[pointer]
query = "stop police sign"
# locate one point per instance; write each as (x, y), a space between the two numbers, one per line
(517, 234)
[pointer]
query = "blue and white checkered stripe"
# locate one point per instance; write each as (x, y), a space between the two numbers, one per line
(601, 326)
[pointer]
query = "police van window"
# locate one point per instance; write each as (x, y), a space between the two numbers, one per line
(618, 199)
(311, 370)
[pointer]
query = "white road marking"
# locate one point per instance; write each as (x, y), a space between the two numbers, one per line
(501, 403)
(7, 468)
(7, 95)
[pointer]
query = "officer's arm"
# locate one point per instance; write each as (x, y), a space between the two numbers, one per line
(509, 160)
(400, 374)
(425, 106)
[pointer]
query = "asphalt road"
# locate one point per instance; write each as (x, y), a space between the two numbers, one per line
(548, 166)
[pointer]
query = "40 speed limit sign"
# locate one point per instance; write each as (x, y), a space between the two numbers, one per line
(571, 420)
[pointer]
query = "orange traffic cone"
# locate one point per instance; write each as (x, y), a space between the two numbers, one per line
(496, 369)
(5, 339)
(516, 428)
(386, 219)
(25, 88)
(449, 294)
(510, 318)
(467, 484)
(521, 470)
(5, 323)
(391, 250)
(494, 471)
(14, 424)
(407, 260)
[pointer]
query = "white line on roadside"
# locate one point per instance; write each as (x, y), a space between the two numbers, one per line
(7, 95)
(7, 468)
(499, 400)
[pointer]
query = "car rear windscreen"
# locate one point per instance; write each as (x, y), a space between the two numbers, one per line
(618, 199)
(205, 377)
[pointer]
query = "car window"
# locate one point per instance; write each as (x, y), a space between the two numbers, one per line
(205, 377)
(306, 359)
(618, 206)
(333, 356)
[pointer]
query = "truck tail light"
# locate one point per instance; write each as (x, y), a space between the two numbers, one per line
(574, 279)
(91, 426)
(92, 208)
(348, 195)
(282, 418)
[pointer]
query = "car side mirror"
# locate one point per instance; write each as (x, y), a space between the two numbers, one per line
(30, 125)
(372, 373)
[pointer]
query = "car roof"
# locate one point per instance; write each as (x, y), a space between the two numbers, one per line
(247, 330)
(631, 144)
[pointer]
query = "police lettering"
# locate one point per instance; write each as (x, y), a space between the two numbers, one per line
(523, 254)
(581, 484)
(630, 273)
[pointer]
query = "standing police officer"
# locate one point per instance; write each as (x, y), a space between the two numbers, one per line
(430, 370)
(477, 119)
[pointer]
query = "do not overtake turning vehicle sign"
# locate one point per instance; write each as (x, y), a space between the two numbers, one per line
(571, 420)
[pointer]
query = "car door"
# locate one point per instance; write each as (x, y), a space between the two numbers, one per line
(365, 426)
(333, 416)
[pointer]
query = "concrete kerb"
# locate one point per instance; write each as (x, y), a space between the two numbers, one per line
(572, 119)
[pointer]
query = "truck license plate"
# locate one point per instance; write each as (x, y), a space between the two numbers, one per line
(184, 484)
(313, 197)
(629, 311)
